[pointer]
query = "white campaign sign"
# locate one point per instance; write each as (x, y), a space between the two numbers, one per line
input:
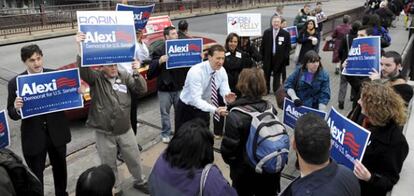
(244, 24)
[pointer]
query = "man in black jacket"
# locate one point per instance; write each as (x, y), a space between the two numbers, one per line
(170, 82)
(275, 50)
(44, 134)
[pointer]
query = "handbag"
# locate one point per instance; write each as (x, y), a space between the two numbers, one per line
(329, 46)
(281, 93)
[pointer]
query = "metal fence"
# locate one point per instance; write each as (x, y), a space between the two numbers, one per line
(408, 54)
(28, 20)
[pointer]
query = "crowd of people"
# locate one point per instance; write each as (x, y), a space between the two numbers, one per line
(229, 80)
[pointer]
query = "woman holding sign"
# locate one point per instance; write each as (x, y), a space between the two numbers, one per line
(309, 85)
(309, 38)
(384, 115)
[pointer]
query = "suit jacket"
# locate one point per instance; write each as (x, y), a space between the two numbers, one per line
(282, 50)
(33, 135)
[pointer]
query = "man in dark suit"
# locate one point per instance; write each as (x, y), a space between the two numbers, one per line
(47, 133)
(275, 49)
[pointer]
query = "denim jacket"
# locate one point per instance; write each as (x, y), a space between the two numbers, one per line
(311, 94)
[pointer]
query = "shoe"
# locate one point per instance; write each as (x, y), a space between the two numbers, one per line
(119, 157)
(341, 105)
(165, 140)
(142, 187)
(337, 71)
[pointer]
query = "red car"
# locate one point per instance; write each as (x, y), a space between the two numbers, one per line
(151, 40)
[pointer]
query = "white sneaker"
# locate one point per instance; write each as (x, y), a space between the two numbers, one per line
(165, 140)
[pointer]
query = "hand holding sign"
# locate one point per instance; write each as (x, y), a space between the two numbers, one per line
(18, 103)
(361, 172)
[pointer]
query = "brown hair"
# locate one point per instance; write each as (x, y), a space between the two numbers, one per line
(252, 83)
(382, 104)
(214, 48)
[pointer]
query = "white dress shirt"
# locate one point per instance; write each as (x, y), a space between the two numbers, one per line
(197, 87)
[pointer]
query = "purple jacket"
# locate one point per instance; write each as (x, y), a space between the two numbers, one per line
(166, 180)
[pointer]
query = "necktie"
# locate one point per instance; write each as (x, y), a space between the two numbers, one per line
(274, 41)
(214, 97)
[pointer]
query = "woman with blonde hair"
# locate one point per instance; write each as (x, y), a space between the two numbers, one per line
(384, 115)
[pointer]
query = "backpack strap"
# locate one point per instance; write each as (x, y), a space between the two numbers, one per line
(277, 154)
(203, 179)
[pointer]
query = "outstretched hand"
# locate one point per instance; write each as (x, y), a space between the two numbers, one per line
(230, 98)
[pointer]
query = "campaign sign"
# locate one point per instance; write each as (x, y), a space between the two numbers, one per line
(349, 140)
(183, 52)
(110, 37)
(291, 113)
(364, 55)
(157, 24)
(49, 92)
(141, 13)
(4, 130)
(244, 24)
(293, 31)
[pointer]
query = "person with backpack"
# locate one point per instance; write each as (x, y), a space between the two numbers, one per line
(309, 84)
(319, 175)
(241, 150)
(186, 166)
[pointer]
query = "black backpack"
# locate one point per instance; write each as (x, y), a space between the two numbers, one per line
(24, 181)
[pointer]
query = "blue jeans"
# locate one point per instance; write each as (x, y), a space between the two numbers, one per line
(167, 99)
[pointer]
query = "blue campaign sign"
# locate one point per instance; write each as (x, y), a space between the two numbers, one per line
(141, 13)
(293, 31)
(364, 55)
(110, 37)
(292, 113)
(4, 130)
(183, 52)
(49, 92)
(349, 140)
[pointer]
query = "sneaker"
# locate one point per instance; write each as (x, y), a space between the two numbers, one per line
(165, 140)
(341, 105)
(142, 187)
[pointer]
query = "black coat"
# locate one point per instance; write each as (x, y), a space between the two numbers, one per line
(282, 50)
(234, 62)
(307, 45)
(384, 157)
(168, 79)
(33, 135)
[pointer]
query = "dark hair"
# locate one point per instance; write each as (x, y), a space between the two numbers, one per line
(393, 54)
(365, 19)
(96, 181)
(374, 21)
(313, 138)
(214, 48)
(252, 83)
(229, 38)
(283, 20)
(355, 27)
(191, 146)
(310, 57)
(305, 26)
(167, 30)
(369, 30)
(183, 25)
(346, 19)
(318, 3)
(27, 51)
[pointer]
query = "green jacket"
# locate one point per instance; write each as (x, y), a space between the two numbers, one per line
(110, 109)
(300, 20)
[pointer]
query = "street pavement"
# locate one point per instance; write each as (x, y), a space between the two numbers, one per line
(82, 151)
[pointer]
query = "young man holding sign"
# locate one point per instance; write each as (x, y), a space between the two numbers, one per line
(109, 115)
(42, 134)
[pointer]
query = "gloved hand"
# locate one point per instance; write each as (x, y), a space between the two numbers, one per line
(298, 102)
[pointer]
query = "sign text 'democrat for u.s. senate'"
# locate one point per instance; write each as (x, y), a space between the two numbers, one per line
(363, 56)
(141, 13)
(4, 130)
(49, 92)
(244, 24)
(291, 113)
(110, 37)
(183, 52)
(349, 140)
